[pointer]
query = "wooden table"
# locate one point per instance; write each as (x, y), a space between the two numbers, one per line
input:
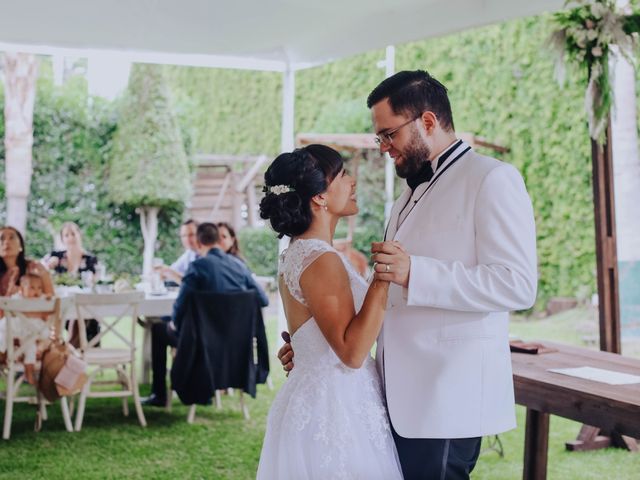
(610, 407)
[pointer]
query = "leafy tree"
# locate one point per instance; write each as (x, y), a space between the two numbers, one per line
(149, 168)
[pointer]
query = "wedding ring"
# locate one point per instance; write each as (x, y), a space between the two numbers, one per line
(387, 268)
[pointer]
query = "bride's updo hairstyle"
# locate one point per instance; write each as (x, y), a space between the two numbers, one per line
(291, 181)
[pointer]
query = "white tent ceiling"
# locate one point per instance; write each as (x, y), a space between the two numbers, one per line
(260, 34)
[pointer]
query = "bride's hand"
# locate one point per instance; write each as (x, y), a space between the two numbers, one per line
(285, 354)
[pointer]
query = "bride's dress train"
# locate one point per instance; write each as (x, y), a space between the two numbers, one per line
(328, 421)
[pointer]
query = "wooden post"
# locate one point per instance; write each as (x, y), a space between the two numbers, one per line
(608, 293)
(606, 256)
(536, 444)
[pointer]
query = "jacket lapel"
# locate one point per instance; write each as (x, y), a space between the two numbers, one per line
(455, 156)
(392, 226)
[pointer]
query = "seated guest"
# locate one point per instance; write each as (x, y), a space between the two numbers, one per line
(215, 272)
(14, 263)
(176, 271)
(229, 240)
(14, 266)
(29, 330)
(229, 244)
(73, 259)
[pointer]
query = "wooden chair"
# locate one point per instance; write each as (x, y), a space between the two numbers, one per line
(109, 310)
(17, 312)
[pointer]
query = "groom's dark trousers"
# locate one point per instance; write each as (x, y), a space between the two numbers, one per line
(437, 459)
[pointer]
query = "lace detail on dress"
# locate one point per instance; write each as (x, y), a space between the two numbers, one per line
(295, 260)
(328, 421)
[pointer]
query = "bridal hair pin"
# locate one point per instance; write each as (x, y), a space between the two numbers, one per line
(278, 189)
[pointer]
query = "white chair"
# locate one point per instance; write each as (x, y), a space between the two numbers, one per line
(17, 312)
(109, 310)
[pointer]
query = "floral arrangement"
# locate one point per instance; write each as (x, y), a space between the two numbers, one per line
(585, 36)
(67, 280)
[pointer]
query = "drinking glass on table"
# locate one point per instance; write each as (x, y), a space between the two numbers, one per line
(101, 272)
(87, 279)
(157, 284)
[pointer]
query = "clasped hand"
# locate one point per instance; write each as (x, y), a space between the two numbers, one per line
(391, 262)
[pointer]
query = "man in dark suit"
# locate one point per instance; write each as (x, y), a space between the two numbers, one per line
(214, 271)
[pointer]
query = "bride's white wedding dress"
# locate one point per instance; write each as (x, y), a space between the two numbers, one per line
(328, 421)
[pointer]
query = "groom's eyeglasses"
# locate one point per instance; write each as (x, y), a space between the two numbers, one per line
(386, 138)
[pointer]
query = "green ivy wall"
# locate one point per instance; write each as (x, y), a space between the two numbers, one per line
(501, 85)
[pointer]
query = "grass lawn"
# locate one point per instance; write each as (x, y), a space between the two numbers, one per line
(222, 445)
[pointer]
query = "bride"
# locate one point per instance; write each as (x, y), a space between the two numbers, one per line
(329, 419)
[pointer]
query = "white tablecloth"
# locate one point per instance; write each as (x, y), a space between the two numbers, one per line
(151, 306)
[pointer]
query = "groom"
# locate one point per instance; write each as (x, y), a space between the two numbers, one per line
(460, 252)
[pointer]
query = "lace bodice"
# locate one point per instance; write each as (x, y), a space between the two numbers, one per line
(328, 421)
(302, 253)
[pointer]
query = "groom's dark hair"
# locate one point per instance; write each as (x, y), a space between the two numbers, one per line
(303, 173)
(412, 93)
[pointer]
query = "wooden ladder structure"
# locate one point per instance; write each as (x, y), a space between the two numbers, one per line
(225, 188)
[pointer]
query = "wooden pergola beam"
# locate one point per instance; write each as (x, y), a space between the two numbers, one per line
(606, 250)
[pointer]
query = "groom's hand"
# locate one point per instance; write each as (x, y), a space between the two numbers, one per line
(392, 263)
(285, 354)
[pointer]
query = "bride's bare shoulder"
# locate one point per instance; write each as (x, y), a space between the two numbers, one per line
(326, 270)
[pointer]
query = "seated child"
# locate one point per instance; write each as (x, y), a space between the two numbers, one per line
(31, 329)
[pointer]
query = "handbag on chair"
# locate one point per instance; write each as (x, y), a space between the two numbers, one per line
(62, 372)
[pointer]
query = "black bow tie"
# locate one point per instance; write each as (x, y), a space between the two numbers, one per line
(425, 174)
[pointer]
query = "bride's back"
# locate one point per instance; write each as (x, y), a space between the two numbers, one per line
(294, 261)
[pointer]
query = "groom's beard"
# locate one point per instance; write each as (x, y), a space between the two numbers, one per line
(414, 156)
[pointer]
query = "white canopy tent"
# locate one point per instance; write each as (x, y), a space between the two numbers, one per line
(268, 35)
(277, 35)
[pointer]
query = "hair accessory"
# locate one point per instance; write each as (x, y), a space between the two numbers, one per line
(278, 189)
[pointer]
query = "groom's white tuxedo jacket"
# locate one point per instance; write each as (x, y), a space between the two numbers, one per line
(443, 351)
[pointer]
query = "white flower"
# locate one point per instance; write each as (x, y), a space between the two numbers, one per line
(596, 51)
(279, 189)
(579, 35)
(581, 42)
(598, 10)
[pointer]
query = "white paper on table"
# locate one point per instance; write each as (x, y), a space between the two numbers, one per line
(598, 375)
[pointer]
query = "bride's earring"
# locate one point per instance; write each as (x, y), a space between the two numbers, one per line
(324, 205)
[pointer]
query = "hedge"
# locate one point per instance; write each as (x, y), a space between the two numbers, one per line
(501, 85)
